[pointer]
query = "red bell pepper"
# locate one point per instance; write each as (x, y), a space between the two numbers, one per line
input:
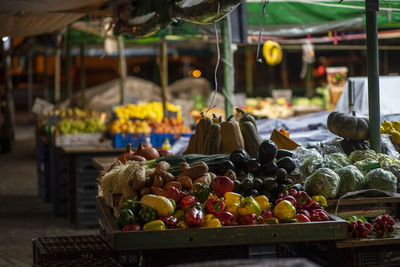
(304, 212)
(169, 221)
(131, 227)
(175, 194)
(248, 219)
(289, 198)
(226, 218)
(303, 200)
(187, 202)
(268, 218)
(319, 215)
(315, 206)
(221, 185)
(271, 220)
(301, 218)
(194, 217)
(293, 192)
(215, 205)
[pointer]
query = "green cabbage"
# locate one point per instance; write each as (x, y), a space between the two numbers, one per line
(380, 179)
(323, 182)
(359, 155)
(307, 160)
(335, 161)
(391, 164)
(367, 161)
(351, 179)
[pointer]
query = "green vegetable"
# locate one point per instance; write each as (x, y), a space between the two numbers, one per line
(351, 179)
(323, 182)
(308, 160)
(125, 217)
(359, 155)
(362, 164)
(335, 161)
(380, 179)
(391, 164)
(133, 205)
(201, 191)
(147, 214)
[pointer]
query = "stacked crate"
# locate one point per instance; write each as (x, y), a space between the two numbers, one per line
(42, 168)
(59, 179)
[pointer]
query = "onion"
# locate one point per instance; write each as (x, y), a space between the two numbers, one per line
(148, 153)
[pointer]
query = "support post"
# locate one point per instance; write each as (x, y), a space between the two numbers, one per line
(371, 6)
(46, 93)
(30, 84)
(227, 59)
(68, 59)
(57, 70)
(164, 73)
(122, 68)
(249, 71)
(82, 73)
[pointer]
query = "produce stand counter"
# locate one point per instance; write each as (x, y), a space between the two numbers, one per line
(103, 163)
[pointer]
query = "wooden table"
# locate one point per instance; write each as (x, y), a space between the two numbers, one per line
(103, 163)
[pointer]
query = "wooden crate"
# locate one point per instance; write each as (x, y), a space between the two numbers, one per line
(336, 229)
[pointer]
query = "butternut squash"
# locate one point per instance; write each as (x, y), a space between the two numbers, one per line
(213, 140)
(231, 136)
(160, 204)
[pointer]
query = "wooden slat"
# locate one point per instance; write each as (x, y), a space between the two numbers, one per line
(362, 201)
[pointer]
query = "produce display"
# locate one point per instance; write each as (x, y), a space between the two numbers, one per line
(146, 111)
(169, 125)
(381, 227)
(392, 128)
(129, 126)
(268, 108)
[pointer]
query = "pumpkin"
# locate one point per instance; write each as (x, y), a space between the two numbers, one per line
(348, 126)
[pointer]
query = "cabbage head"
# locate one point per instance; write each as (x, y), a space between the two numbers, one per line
(351, 179)
(323, 182)
(335, 161)
(380, 179)
(359, 155)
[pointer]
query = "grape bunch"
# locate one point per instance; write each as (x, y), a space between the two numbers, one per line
(356, 229)
(384, 226)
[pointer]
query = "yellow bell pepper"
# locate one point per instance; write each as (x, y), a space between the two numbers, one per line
(178, 214)
(154, 225)
(181, 225)
(233, 209)
(211, 221)
(284, 210)
(232, 198)
(263, 201)
(249, 206)
(320, 200)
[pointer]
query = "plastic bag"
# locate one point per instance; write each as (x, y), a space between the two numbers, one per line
(392, 165)
(330, 147)
(368, 161)
(351, 179)
(323, 182)
(335, 161)
(359, 155)
(380, 179)
(307, 160)
(387, 146)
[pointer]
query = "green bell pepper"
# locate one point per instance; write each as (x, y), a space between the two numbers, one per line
(147, 214)
(201, 191)
(249, 206)
(125, 217)
(133, 205)
(179, 214)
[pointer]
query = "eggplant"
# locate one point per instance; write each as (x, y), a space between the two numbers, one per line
(239, 158)
(220, 168)
(284, 153)
(269, 168)
(286, 163)
(267, 151)
(253, 166)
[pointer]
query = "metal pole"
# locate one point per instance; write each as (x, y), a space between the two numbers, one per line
(122, 68)
(30, 84)
(249, 71)
(227, 59)
(373, 74)
(46, 93)
(82, 73)
(68, 66)
(164, 73)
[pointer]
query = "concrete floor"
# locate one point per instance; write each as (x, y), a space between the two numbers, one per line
(23, 215)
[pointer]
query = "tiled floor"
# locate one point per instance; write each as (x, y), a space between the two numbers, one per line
(23, 215)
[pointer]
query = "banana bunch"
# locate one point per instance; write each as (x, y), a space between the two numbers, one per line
(272, 53)
(392, 128)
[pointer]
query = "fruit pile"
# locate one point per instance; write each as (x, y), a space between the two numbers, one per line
(392, 128)
(146, 111)
(73, 126)
(169, 125)
(129, 126)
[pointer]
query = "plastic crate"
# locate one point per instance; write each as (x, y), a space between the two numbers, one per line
(158, 139)
(120, 140)
(109, 262)
(55, 250)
